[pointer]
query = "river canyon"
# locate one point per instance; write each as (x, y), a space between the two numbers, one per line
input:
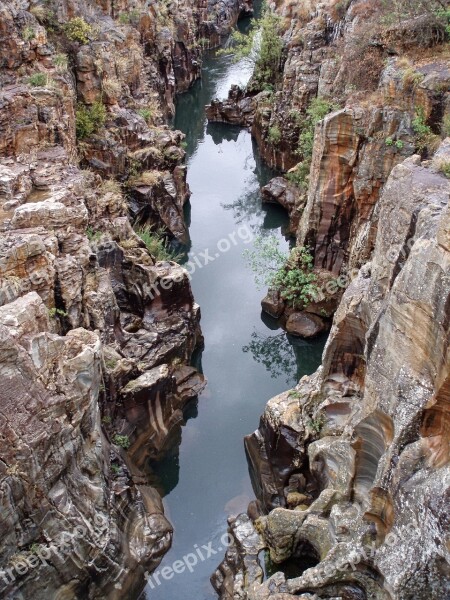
(144, 172)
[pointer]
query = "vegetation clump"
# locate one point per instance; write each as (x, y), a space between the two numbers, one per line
(89, 119)
(77, 30)
(290, 273)
(263, 45)
(57, 312)
(316, 111)
(122, 440)
(274, 135)
(425, 138)
(38, 80)
(156, 244)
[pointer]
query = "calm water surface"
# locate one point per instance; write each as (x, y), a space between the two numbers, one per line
(247, 360)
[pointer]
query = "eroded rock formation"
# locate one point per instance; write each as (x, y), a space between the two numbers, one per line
(351, 468)
(96, 333)
(363, 443)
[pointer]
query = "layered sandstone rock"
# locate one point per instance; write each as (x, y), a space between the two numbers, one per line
(364, 441)
(96, 334)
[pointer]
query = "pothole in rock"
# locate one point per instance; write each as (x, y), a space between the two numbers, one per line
(305, 558)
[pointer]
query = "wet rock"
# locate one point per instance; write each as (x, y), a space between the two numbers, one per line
(273, 304)
(305, 325)
(280, 191)
(238, 109)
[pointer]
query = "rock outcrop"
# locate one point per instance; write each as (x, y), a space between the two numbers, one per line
(96, 333)
(363, 443)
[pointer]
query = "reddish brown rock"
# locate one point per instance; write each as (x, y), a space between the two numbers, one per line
(305, 325)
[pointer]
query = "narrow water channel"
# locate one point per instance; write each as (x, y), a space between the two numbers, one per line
(246, 359)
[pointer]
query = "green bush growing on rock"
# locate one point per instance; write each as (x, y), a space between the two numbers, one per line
(28, 33)
(89, 119)
(445, 127)
(274, 135)
(289, 273)
(129, 17)
(316, 111)
(156, 244)
(38, 79)
(122, 440)
(316, 423)
(77, 30)
(443, 167)
(57, 312)
(61, 62)
(146, 114)
(296, 279)
(425, 138)
(264, 45)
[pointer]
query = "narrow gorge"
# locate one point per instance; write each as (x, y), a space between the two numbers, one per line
(149, 162)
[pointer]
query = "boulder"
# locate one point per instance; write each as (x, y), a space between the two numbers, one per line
(305, 325)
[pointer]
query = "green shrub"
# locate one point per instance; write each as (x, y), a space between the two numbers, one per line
(122, 440)
(445, 127)
(92, 235)
(145, 113)
(296, 279)
(38, 79)
(389, 141)
(57, 312)
(77, 30)
(424, 136)
(269, 51)
(61, 61)
(316, 111)
(274, 135)
(115, 469)
(129, 17)
(28, 33)
(399, 145)
(156, 244)
(316, 423)
(412, 78)
(290, 273)
(90, 119)
(444, 167)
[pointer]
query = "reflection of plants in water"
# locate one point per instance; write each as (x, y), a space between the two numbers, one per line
(283, 354)
(275, 353)
(246, 207)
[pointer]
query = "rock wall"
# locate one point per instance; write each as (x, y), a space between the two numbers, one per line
(96, 334)
(353, 464)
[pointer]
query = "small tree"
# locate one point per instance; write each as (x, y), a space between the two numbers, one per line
(263, 45)
(290, 273)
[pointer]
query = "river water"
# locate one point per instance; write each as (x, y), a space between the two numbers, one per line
(246, 360)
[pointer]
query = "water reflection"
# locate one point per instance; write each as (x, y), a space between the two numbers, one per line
(164, 473)
(284, 355)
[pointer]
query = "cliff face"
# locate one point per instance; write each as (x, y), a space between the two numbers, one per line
(376, 76)
(351, 468)
(96, 333)
(353, 464)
